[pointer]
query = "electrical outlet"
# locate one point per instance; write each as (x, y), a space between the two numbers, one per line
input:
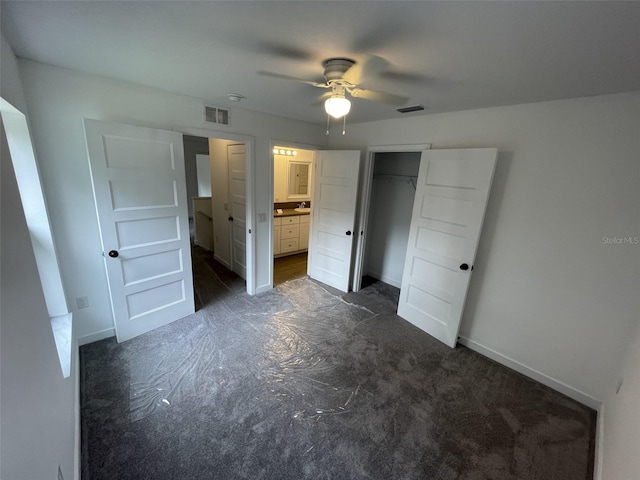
(60, 476)
(82, 302)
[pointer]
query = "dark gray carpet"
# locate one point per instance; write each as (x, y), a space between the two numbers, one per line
(305, 383)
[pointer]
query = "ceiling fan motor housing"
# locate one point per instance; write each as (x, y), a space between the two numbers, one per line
(335, 68)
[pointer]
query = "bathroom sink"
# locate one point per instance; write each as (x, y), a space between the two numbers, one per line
(303, 209)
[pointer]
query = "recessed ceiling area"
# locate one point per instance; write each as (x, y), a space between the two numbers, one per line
(446, 56)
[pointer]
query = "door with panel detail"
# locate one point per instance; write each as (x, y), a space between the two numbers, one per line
(140, 194)
(334, 210)
(451, 197)
(237, 157)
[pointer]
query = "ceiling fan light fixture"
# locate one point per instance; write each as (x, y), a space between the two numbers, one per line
(337, 106)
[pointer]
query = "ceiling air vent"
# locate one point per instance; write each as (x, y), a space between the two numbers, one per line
(413, 108)
(219, 116)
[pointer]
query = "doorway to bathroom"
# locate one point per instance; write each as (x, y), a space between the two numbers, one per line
(293, 170)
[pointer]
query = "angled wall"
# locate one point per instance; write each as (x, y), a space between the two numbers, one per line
(37, 405)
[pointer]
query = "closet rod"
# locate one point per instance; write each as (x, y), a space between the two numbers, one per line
(412, 179)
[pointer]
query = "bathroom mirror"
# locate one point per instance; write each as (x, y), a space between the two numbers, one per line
(299, 180)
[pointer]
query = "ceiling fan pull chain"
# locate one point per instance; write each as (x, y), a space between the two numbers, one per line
(344, 125)
(327, 124)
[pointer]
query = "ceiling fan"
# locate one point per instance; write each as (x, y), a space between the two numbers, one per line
(343, 76)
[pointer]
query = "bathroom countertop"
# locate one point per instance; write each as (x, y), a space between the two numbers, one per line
(288, 212)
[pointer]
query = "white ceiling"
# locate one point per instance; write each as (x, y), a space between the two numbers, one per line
(445, 55)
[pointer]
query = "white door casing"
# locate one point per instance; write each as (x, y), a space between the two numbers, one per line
(236, 155)
(333, 222)
(140, 195)
(451, 197)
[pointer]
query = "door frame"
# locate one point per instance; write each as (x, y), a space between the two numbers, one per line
(364, 201)
(293, 145)
(249, 143)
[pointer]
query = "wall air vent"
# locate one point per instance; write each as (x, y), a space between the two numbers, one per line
(413, 108)
(217, 115)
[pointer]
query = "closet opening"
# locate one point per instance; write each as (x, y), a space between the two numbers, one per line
(392, 193)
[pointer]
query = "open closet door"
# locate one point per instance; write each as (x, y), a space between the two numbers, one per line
(141, 200)
(334, 210)
(451, 197)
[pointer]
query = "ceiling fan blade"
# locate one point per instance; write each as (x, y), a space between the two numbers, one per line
(405, 77)
(284, 51)
(370, 67)
(289, 77)
(383, 97)
(246, 41)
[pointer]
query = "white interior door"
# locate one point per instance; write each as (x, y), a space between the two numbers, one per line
(451, 197)
(334, 208)
(141, 200)
(237, 157)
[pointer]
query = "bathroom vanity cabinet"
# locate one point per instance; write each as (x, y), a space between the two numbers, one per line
(290, 234)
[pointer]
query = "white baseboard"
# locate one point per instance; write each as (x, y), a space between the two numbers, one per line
(551, 382)
(205, 247)
(263, 288)
(223, 262)
(94, 337)
(385, 279)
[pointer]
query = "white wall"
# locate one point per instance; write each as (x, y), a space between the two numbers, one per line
(622, 418)
(58, 99)
(37, 405)
(546, 291)
(390, 209)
